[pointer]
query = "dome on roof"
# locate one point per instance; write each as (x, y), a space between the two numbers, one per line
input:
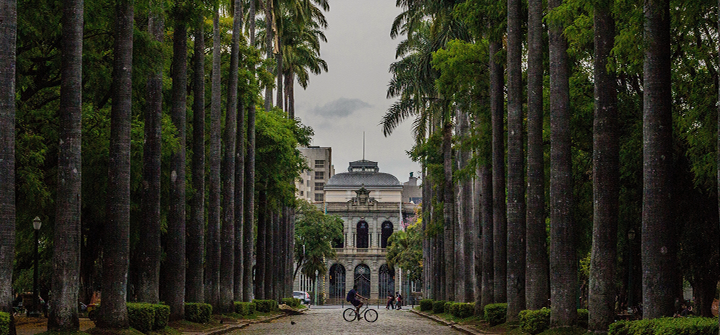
(357, 179)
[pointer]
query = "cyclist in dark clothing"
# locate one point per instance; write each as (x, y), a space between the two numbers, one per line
(352, 297)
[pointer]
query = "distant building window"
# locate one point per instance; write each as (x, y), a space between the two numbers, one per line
(319, 164)
(318, 197)
(308, 183)
(319, 175)
(301, 193)
(319, 186)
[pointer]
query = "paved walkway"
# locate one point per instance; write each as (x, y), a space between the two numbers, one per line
(329, 320)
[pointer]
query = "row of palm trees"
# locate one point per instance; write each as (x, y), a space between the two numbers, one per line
(504, 240)
(219, 269)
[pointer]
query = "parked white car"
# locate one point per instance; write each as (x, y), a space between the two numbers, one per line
(303, 296)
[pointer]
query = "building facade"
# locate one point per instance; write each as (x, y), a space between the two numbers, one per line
(311, 184)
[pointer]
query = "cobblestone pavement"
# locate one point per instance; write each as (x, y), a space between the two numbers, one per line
(330, 321)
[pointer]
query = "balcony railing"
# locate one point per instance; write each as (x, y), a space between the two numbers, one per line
(364, 251)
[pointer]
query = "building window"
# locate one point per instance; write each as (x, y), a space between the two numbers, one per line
(318, 197)
(308, 183)
(319, 175)
(319, 186)
(301, 193)
(319, 164)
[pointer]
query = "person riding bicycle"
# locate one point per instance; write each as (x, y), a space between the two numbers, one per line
(352, 297)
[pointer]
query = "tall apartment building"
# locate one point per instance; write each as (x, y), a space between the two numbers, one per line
(311, 184)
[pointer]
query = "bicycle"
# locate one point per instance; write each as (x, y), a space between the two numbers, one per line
(369, 314)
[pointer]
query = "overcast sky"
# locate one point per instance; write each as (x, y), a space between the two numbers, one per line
(350, 98)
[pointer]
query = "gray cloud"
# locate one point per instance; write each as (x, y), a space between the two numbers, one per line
(340, 108)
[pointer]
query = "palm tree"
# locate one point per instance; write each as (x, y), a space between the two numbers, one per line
(536, 273)
(64, 314)
(173, 287)
(498, 176)
(194, 291)
(515, 179)
(212, 275)
(563, 260)
(8, 34)
(606, 176)
(249, 187)
(116, 233)
(658, 239)
(147, 262)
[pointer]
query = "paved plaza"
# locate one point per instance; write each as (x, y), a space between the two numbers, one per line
(329, 320)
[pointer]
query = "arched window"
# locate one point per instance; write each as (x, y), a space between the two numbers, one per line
(387, 230)
(386, 284)
(337, 281)
(362, 235)
(362, 280)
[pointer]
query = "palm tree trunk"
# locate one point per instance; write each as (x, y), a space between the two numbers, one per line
(563, 260)
(486, 222)
(196, 228)
(8, 35)
(466, 214)
(116, 233)
(536, 274)
(239, 201)
(658, 234)
(147, 263)
(227, 272)
(268, 49)
(279, 75)
(64, 314)
(498, 172)
(212, 276)
(261, 251)
(249, 187)
(606, 177)
(290, 92)
(448, 211)
(172, 290)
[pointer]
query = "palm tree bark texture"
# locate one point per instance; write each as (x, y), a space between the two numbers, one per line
(498, 173)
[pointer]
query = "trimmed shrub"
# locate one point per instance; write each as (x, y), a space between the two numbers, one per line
(438, 306)
(495, 313)
(426, 305)
(450, 307)
(464, 310)
(4, 323)
(264, 306)
(162, 316)
(535, 321)
(292, 302)
(666, 326)
(198, 312)
(244, 308)
(141, 316)
(582, 318)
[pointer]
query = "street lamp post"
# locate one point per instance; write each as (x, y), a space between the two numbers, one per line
(316, 287)
(36, 302)
(631, 238)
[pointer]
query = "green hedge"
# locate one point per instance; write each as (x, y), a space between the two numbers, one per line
(292, 302)
(162, 316)
(4, 323)
(535, 321)
(265, 306)
(426, 305)
(198, 312)
(582, 318)
(438, 306)
(245, 308)
(450, 307)
(666, 326)
(495, 313)
(141, 316)
(463, 310)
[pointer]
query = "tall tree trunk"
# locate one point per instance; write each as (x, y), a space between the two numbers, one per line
(537, 287)
(196, 228)
(486, 220)
(459, 218)
(515, 177)
(606, 176)
(563, 259)
(448, 210)
(66, 264)
(290, 92)
(268, 49)
(427, 244)
(8, 35)
(147, 263)
(718, 131)
(227, 271)
(269, 248)
(659, 266)
(173, 287)
(212, 276)
(239, 201)
(498, 172)
(116, 232)
(261, 252)
(249, 192)
(467, 238)
(279, 75)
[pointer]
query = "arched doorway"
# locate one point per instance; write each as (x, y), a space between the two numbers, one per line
(362, 235)
(386, 284)
(337, 281)
(362, 280)
(387, 230)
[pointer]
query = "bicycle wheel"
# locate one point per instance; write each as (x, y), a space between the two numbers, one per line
(349, 315)
(371, 315)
